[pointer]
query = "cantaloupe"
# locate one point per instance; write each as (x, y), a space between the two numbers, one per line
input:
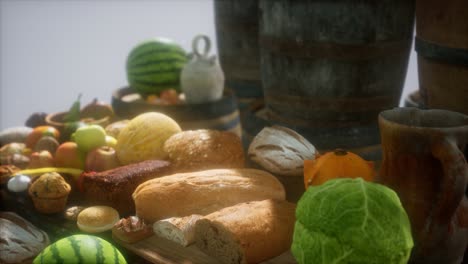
(144, 136)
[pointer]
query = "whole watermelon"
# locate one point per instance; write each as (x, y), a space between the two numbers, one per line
(155, 65)
(80, 249)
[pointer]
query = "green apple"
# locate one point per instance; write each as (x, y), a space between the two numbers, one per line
(90, 137)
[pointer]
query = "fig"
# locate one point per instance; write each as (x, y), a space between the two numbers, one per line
(46, 143)
(36, 119)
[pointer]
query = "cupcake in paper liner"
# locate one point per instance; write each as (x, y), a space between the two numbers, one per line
(49, 193)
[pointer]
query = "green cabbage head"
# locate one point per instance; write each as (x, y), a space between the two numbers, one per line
(351, 221)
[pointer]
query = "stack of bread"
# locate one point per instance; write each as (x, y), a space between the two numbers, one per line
(235, 215)
(205, 196)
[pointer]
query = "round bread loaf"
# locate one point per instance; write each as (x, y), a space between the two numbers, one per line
(20, 240)
(205, 149)
(96, 219)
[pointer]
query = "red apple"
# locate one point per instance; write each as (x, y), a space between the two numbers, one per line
(41, 159)
(68, 155)
(101, 159)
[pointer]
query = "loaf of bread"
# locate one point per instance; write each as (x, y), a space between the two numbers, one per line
(114, 187)
(178, 229)
(203, 192)
(281, 151)
(248, 232)
(205, 149)
(20, 241)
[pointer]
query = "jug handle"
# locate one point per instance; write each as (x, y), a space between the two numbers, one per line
(455, 178)
(207, 46)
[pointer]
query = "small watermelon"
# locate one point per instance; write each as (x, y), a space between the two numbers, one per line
(155, 65)
(80, 249)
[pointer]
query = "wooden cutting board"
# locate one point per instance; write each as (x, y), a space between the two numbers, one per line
(160, 250)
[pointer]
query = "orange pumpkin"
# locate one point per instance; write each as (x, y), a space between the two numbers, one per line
(337, 164)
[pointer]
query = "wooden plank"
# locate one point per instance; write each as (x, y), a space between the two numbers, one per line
(163, 251)
(160, 250)
(153, 249)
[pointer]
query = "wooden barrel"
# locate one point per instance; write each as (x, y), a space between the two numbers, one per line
(321, 137)
(442, 47)
(236, 25)
(330, 67)
(414, 99)
(220, 115)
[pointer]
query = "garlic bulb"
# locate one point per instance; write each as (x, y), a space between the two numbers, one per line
(19, 183)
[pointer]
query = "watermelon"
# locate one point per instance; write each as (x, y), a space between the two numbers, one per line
(80, 249)
(155, 65)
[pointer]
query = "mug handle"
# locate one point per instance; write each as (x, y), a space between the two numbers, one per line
(455, 178)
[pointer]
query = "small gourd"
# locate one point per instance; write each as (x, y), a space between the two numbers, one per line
(337, 164)
(202, 79)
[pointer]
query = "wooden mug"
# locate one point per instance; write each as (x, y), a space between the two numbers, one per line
(424, 162)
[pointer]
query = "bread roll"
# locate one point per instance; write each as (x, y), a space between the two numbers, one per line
(247, 233)
(20, 241)
(97, 219)
(115, 187)
(205, 149)
(177, 229)
(203, 192)
(131, 229)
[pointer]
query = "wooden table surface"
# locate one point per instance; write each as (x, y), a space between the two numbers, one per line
(150, 250)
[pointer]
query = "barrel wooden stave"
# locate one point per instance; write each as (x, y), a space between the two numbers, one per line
(236, 25)
(442, 47)
(329, 67)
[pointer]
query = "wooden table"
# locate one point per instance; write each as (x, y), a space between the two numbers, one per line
(150, 250)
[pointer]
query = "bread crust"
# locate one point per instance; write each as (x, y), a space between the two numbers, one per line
(178, 229)
(281, 151)
(248, 232)
(20, 240)
(203, 192)
(114, 187)
(205, 149)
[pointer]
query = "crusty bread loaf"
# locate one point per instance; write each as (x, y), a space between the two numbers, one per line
(203, 192)
(178, 229)
(281, 151)
(115, 187)
(20, 241)
(248, 232)
(205, 149)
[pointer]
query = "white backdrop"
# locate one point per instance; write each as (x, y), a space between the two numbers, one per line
(53, 50)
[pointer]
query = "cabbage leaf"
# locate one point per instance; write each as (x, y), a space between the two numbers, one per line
(351, 221)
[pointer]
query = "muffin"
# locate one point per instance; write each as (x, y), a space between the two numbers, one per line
(7, 172)
(49, 193)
